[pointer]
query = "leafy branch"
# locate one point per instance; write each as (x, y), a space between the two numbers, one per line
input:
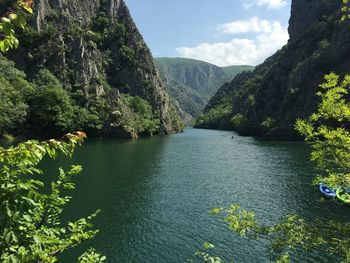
(31, 229)
(12, 19)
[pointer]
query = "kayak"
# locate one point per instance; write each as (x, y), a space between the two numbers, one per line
(343, 196)
(327, 191)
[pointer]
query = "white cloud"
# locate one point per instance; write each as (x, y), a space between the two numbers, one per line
(269, 4)
(270, 36)
(252, 25)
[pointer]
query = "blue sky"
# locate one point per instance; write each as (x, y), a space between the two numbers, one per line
(222, 32)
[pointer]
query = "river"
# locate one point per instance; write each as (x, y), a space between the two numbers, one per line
(156, 194)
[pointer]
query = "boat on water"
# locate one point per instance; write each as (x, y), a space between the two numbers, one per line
(343, 196)
(327, 191)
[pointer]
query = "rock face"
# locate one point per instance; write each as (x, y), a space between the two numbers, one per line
(269, 100)
(305, 13)
(95, 49)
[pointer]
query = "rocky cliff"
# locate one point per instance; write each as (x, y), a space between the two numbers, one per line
(305, 13)
(96, 51)
(269, 100)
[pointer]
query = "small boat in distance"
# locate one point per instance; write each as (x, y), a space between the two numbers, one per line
(343, 196)
(327, 191)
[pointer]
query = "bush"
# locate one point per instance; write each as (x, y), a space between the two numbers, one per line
(127, 54)
(268, 123)
(238, 120)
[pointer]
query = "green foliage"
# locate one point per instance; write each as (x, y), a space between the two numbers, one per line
(327, 131)
(289, 235)
(43, 106)
(14, 91)
(13, 109)
(75, 30)
(193, 93)
(127, 113)
(93, 116)
(268, 123)
(112, 46)
(323, 44)
(76, 100)
(250, 101)
(51, 109)
(14, 18)
(346, 10)
(127, 53)
(140, 117)
(204, 256)
(121, 30)
(101, 22)
(238, 120)
(45, 78)
(30, 225)
(15, 77)
(214, 117)
(91, 256)
(238, 98)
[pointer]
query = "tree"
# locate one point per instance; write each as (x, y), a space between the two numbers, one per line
(51, 108)
(31, 230)
(327, 131)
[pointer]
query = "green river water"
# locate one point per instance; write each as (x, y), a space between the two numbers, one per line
(156, 193)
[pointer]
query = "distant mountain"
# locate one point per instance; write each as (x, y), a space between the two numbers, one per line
(191, 83)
